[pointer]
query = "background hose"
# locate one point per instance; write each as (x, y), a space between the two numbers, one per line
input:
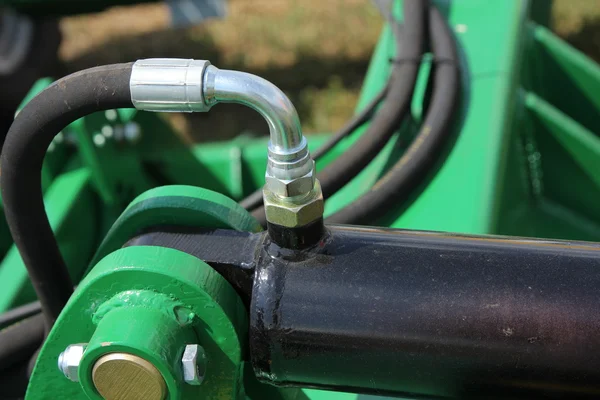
(396, 106)
(19, 313)
(412, 168)
(256, 198)
(65, 101)
(20, 340)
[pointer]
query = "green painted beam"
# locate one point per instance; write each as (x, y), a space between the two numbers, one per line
(583, 71)
(583, 145)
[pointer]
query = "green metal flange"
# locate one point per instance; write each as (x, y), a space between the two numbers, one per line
(147, 324)
(176, 205)
(149, 301)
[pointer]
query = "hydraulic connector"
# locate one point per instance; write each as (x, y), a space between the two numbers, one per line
(292, 194)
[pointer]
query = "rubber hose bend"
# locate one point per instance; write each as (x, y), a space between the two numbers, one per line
(66, 100)
(412, 168)
(395, 108)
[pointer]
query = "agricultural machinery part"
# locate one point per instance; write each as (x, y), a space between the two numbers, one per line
(187, 297)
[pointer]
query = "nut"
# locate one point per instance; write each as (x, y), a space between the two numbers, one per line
(294, 213)
(291, 187)
(193, 363)
(68, 360)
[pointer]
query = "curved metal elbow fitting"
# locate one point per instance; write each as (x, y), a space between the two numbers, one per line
(196, 85)
(225, 86)
(289, 158)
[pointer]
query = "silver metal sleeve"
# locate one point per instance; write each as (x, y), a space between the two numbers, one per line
(168, 85)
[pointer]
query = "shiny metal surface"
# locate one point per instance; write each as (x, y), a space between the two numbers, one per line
(289, 188)
(164, 84)
(195, 85)
(193, 364)
(68, 360)
(168, 85)
(288, 151)
(268, 100)
(123, 376)
(290, 169)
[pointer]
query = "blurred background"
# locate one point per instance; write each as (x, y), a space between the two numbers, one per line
(316, 51)
(280, 40)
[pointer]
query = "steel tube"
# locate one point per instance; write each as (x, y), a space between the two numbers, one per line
(226, 86)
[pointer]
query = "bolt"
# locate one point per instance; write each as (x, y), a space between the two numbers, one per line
(133, 132)
(68, 360)
(111, 115)
(119, 133)
(107, 131)
(193, 363)
(99, 140)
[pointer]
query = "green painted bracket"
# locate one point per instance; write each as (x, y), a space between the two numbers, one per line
(551, 181)
(152, 301)
(176, 205)
(171, 283)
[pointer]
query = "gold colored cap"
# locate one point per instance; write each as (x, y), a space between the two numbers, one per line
(122, 376)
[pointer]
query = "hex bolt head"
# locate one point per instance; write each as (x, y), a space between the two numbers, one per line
(299, 186)
(193, 363)
(68, 360)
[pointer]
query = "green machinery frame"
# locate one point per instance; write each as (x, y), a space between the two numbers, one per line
(151, 301)
(521, 160)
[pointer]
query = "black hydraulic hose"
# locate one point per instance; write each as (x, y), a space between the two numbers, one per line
(392, 112)
(356, 122)
(19, 313)
(396, 106)
(256, 198)
(20, 340)
(66, 100)
(412, 168)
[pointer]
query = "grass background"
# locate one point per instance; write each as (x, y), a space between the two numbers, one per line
(317, 51)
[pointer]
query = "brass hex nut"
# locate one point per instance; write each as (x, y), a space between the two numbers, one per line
(294, 213)
(291, 187)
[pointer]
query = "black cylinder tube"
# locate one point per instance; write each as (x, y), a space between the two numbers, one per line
(299, 238)
(430, 314)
